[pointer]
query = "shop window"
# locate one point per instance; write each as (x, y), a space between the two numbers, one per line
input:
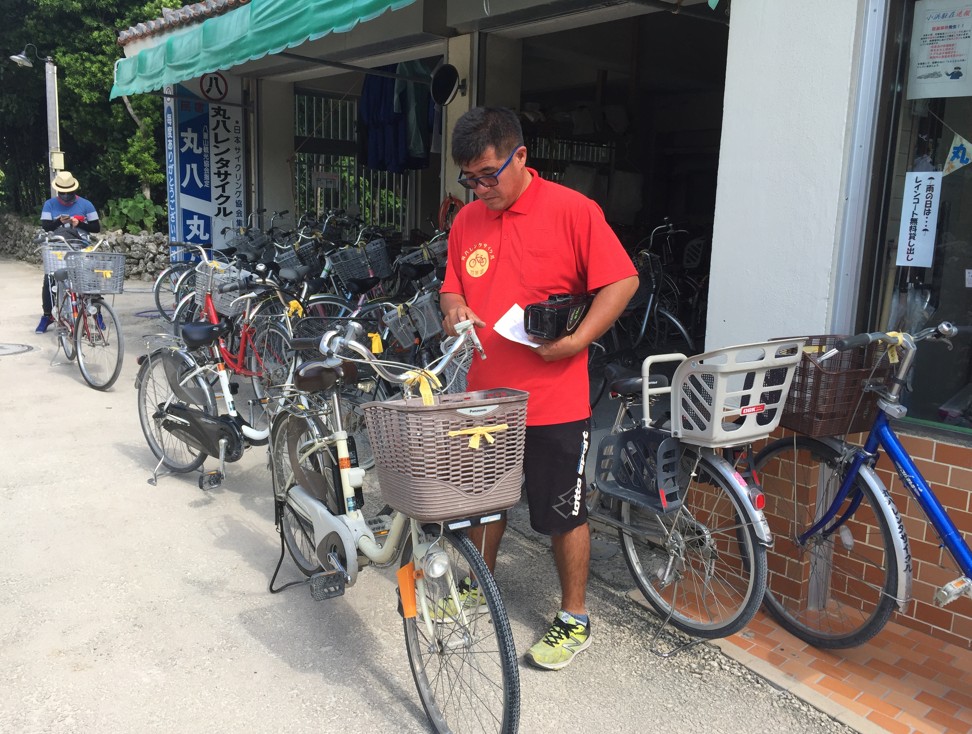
(927, 264)
(327, 172)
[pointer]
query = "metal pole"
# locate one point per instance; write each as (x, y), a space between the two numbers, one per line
(53, 118)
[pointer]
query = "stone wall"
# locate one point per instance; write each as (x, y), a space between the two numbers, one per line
(148, 253)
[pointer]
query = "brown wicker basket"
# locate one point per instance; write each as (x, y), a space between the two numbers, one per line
(828, 399)
(436, 462)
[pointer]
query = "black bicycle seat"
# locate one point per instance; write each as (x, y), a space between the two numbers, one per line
(623, 381)
(357, 286)
(199, 334)
(412, 271)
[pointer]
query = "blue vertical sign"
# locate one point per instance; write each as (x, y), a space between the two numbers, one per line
(204, 162)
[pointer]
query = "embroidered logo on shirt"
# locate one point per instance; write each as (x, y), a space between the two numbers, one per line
(477, 261)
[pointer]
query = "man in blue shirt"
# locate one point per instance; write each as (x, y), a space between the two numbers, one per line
(71, 216)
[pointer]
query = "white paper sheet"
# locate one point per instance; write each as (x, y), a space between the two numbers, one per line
(510, 326)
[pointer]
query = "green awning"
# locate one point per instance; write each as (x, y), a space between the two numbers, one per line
(253, 31)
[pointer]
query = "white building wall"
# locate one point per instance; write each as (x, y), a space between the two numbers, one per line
(790, 84)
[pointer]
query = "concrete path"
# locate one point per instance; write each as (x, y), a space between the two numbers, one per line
(126, 607)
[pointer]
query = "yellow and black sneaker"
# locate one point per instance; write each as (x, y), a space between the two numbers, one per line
(565, 638)
(471, 601)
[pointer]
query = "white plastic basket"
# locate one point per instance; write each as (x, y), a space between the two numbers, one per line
(734, 395)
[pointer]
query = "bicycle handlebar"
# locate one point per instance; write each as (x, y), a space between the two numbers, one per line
(333, 342)
(945, 330)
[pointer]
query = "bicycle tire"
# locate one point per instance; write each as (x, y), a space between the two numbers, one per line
(456, 658)
(709, 528)
(327, 306)
(270, 359)
(153, 390)
(794, 472)
(165, 289)
(65, 327)
(99, 344)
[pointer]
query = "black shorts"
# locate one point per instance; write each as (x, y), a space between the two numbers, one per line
(553, 465)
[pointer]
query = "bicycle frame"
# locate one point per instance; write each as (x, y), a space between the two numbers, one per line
(882, 435)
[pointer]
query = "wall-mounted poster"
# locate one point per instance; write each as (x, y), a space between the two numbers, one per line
(941, 50)
(919, 219)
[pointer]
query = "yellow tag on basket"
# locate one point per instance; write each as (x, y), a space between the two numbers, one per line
(104, 273)
(89, 248)
(376, 346)
(425, 381)
(479, 432)
(294, 307)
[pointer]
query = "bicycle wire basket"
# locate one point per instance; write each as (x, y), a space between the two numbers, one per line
(306, 253)
(426, 315)
(54, 256)
(101, 273)
(400, 325)
(733, 395)
(356, 262)
(223, 275)
(828, 398)
(459, 458)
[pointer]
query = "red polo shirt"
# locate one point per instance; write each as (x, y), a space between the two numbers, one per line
(551, 240)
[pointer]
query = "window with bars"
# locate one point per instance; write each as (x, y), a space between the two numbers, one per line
(327, 172)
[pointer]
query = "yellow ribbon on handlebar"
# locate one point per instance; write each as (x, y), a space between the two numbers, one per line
(479, 432)
(425, 381)
(294, 307)
(376, 346)
(893, 348)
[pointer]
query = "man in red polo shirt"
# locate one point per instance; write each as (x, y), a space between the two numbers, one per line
(522, 241)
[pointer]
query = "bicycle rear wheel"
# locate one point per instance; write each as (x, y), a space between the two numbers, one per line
(65, 325)
(154, 391)
(709, 572)
(270, 359)
(837, 588)
(462, 656)
(99, 343)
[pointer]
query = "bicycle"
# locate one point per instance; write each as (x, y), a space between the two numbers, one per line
(841, 561)
(177, 405)
(88, 330)
(690, 525)
(457, 634)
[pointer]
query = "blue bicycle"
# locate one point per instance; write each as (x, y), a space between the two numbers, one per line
(841, 559)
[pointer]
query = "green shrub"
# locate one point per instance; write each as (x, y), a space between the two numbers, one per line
(133, 214)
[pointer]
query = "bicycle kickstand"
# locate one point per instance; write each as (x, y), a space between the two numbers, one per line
(656, 649)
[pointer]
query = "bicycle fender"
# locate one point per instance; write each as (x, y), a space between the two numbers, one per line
(899, 535)
(325, 524)
(755, 518)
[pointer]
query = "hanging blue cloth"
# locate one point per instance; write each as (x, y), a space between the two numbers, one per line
(385, 129)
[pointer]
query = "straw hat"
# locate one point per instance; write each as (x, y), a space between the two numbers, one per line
(65, 183)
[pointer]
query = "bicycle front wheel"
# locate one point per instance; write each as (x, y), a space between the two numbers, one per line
(165, 290)
(836, 588)
(461, 650)
(270, 359)
(705, 570)
(99, 343)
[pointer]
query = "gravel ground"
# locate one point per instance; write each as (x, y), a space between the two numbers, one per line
(127, 607)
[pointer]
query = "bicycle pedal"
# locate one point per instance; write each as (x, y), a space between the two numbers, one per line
(953, 590)
(210, 480)
(326, 585)
(234, 388)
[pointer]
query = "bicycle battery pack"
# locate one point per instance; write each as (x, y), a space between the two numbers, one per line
(558, 316)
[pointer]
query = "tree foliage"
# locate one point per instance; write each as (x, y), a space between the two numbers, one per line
(104, 148)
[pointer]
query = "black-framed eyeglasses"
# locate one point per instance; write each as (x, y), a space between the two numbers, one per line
(486, 181)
